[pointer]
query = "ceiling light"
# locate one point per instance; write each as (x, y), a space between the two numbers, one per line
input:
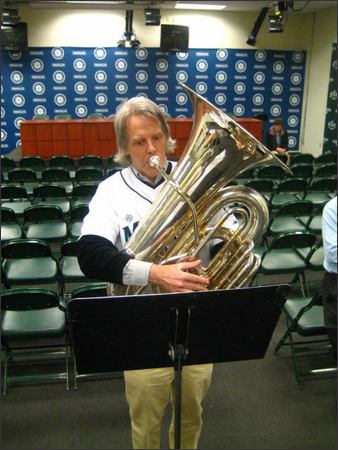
(206, 5)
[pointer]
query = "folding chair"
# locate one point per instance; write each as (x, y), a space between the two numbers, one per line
(320, 190)
(16, 198)
(91, 161)
(58, 175)
(29, 262)
(52, 194)
(24, 176)
(292, 216)
(77, 214)
(288, 190)
(45, 222)
(33, 325)
(305, 334)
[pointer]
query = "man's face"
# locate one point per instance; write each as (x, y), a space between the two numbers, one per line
(145, 138)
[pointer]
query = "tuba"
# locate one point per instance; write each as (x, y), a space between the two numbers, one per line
(190, 212)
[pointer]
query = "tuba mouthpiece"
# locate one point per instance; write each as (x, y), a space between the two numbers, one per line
(154, 161)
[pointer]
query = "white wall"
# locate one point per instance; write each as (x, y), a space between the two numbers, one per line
(314, 33)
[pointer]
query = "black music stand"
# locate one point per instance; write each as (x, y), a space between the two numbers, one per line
(164, 330)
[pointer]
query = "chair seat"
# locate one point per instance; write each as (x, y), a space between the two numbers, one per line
(63, 204)
(30, 270)
(286, 223)
(281, 261)
(316, 260)
(17, 206)
(312, 321)
(47, 231)
(75, 229)
(315, 225)
(10, 231)
(36, 324)
(317, 198)
(70, 269)
(282, 198)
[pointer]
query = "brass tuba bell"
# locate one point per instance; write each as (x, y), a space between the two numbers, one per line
(190, 210)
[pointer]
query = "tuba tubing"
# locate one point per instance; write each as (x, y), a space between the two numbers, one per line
(178, 223)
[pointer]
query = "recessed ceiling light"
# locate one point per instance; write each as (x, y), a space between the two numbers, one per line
(189, 5)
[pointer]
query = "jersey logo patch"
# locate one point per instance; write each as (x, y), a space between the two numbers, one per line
(128, 231)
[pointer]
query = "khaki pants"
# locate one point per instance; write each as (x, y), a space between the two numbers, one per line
(149, 392)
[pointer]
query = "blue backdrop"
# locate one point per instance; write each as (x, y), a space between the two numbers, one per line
(79, 81)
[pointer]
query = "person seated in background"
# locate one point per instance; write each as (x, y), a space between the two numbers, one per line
(277, 138)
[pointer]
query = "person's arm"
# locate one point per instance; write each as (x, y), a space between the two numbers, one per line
(329, 232)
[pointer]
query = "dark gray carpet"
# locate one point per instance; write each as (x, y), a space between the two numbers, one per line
(250, 405)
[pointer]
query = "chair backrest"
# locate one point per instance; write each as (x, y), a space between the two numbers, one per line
(292, 185)
(90, 290)
(7, 164)
(8, 215)
(261, 184)
(89, 174)
(91, 161)
(32, 162)
(293, 239)
(22, 174)
(296, 208)
(78, 212)
(326, 169)
(301, 158)
(96, 115)
(41, 213)
(62, 116)
(13, 193)
(27, 299)
(69, 247)
(49, 191)
(326, 158)
(55, 174)
(324, 184)
(84, 191)
(40, 117)
(270, 171)
(62, 161)
(302, 170)
(25, 248)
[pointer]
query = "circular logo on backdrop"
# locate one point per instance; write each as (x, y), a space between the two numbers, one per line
(259, 77)
(181, 98)
(277, 88)
(58, 53)
(162, 65)
(275, 110)
(40, 109)
(142, 95)
(141, 76)
(121, 87)
(201, 87)
(16, 77)
(79, 64)
(121, 65)
(39, 88)
(222, 54)
(100, 53)
(15, 55)
(278, 67)
(294, 99)
(258, 99)
(333, 95)
(181, 76)
(202, 65)
(296, 78)
(100, 76)
(17, 122)
(59, 76)
(18, 100)
(3, 112)
(220, 99)
(240, 88)
(161, 87)
(182, 56)
(292, 142)
(239, 110)
(293, 121)
(297, 57)
(163, 108)
(3, 135)
(260, 55)
(240, 66)
(221, 76)
(37, 65)
(101, 99)
(141, 53)
(60, 99)
(81, 110)
(80, 87)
